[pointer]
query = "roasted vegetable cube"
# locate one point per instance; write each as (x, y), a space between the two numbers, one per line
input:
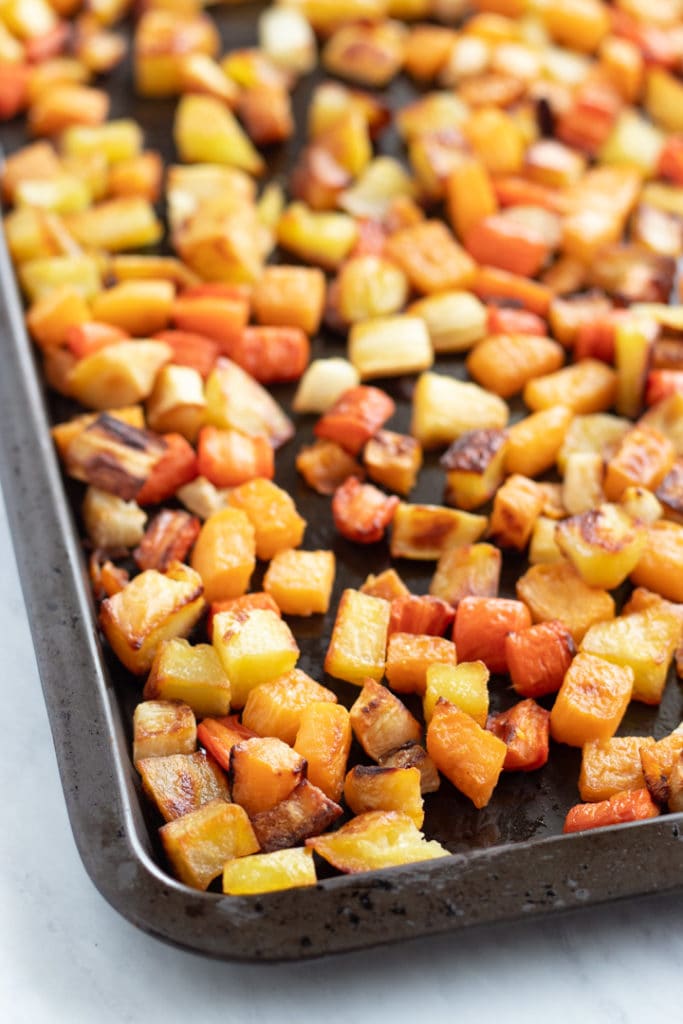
(591, 701)
(468, 570)
(469, 756)
(381, 722)
(427, 531)
(375, 840)
(659, 763)
(516, 507)
(224, 554)
(643, 641)
(190, 674)
(445, 408)
(301, 581)
(385, 789)
(275, 708)
(199, 844)
(525, 730)
(660, 566)
(644, 458)
(464, 685)
(393, 460)
(264, 772)
(556, 591)
(181, 783)
(604, 544)
(162, 727)
(475, 467)
(273, 515)
(324, 740)
(611, 766)
(269, 872)
(481, 626)
(151, 608)
(358, 643)
(412, 755)
(254, 646)
(538, 658)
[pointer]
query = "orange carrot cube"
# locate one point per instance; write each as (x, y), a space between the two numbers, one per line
(525, 730)
(631, 805)
(538, 658)
(362, 512)
(228, 458)
(324, 740)
(482, 625)
(355, 417)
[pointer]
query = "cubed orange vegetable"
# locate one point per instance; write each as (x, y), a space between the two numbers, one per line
(301, 581)
(591, 701)
(643, 459)
(361, 511)
(525, 730)
(481, 626)
(225, 554)
(469, 756)
(275, 708)
(272, 354)
(194, 350)
(493, 283)
(430, 257)
(504, 363)
(272, 513)
(501, 241)
(264, 772)
(176, 467)
(324, 740)
(632, 805)
(220, 735)
(220, 317)
(538, 658)
(228, 458)
(356, 417)
(420, 613)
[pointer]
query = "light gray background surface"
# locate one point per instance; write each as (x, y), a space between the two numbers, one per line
(65, 955)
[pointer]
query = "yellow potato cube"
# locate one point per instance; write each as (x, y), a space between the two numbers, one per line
(475, 467)
(381, 722)
(181, 783)
(151, 608)
(199, 844)
(455, 320)
(301, 581)
(373, 788)
(642, 641)
(358, 643)
(426, 531)
(377, 839)
(269, 872)
(445, 408)
(162, 727)
(192, 674)
(464, 685)
(604, 544)
(119, 374)
(254, 647)
(390, 346)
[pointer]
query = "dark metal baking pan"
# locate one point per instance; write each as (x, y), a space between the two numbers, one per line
(509, 860)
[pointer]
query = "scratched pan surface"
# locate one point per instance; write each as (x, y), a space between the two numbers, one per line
(509, 859)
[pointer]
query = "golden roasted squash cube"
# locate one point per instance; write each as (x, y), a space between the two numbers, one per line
(612, 765)
(588, 386)
(604, 544)
(660, 764)
(475, 467)
(358, 643)
(275, 708)
(556, 591)
(445, 408)
(162, 727)
(254, 646)
(592, 700)
(178, 784)
(464, 685)
(269, 872)
(533, 442)
(273, 515)
(393, 460)
(287, 296)
(324, 740)
(192, 674)
(504, 363)
(660, 566)
(667, 417)
(409, 656)
(301, 581)
(381, 722)
(469, 756)
(264, 771)
(516, 507)
(199, 844)
(643, 641)
(224, 554)
(139, 307)
(426, 531)
(373, 788)
(375, 840)
(431, 258)
(306, 812)
(151, 608)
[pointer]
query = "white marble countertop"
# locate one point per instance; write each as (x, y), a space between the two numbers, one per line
(65, 955)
